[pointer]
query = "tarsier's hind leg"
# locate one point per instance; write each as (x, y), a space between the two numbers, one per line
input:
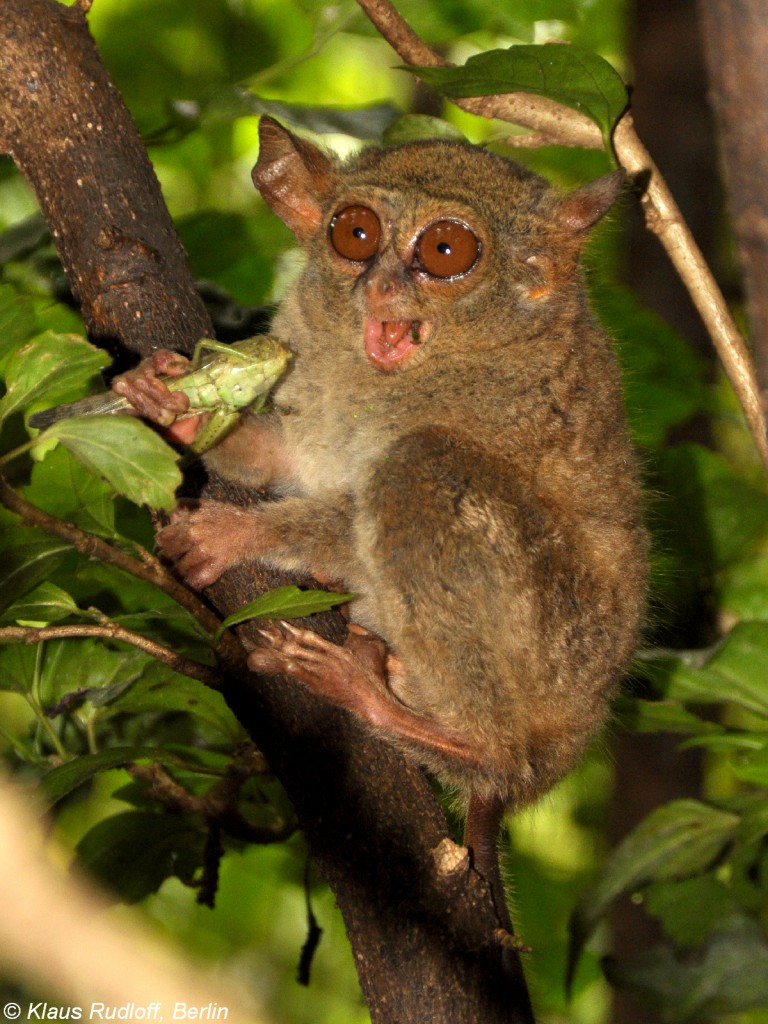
(354, 677)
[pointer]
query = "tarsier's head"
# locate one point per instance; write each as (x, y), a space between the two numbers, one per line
(408, 240)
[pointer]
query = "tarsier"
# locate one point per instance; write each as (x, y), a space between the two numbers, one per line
(449, 442)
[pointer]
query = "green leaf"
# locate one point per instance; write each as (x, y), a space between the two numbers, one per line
(17, 667)
(64, 488)
(160, 691)
(54, 316)
(664, 377)
(662, 716)
(716, 517)
(754, 822)
(678, 840)
(752, 766)
(728, 974)
(136, 462)
(17, 321)
(745, 588)
(50, 366)
(569, 75)
(65, 778)
(46, 603)
(90, 667)
(172, 625)
(139, 606)
(285, 603)
(730, 742)
(736, 672)
(134, 852)
(26, 559)
(691, 909)
(415, 127)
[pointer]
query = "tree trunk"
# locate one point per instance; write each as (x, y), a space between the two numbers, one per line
(65, 125)
(421, 921)
(736, 41)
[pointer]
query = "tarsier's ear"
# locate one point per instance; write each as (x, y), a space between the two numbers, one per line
(577, 212)
(572, 217)
(293, 176)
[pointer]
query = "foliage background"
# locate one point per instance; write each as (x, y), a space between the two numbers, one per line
(194, 74)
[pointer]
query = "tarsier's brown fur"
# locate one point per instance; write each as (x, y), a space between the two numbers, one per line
(480, 495)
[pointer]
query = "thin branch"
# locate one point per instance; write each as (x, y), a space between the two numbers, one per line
(553, 123)
(148, 568)
(664, 219)
(556, 124)
(218, 805)
(559, 125)
(112, 631)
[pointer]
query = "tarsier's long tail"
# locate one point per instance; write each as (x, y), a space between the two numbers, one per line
(481, 835)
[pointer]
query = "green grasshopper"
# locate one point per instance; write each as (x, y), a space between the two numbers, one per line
(223, 380)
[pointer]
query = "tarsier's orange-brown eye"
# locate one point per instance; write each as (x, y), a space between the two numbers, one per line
(355, 233)
(447, 249)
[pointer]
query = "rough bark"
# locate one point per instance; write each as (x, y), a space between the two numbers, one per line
(421, 922)
(67, 128)
(735, 36)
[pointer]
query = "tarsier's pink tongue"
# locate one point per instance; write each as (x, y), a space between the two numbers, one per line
(388, 342)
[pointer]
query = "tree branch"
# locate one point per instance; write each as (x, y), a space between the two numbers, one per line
(218, 805)
(557, 124)
(112, 231)
(113, 631)
(663, 217)
(147, 567)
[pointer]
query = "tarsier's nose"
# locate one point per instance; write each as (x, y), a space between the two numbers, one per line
(385, 285)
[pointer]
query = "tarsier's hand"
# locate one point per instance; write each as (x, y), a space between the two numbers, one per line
(148, 394)
(206, 538)
(152, 399)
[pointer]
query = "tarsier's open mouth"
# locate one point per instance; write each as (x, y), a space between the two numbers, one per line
(389, 342)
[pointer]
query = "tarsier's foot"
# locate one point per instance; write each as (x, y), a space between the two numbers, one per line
(206, 538)
(353, 676)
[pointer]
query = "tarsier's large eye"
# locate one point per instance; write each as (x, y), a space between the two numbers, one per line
(355, 233)
(447, 249)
